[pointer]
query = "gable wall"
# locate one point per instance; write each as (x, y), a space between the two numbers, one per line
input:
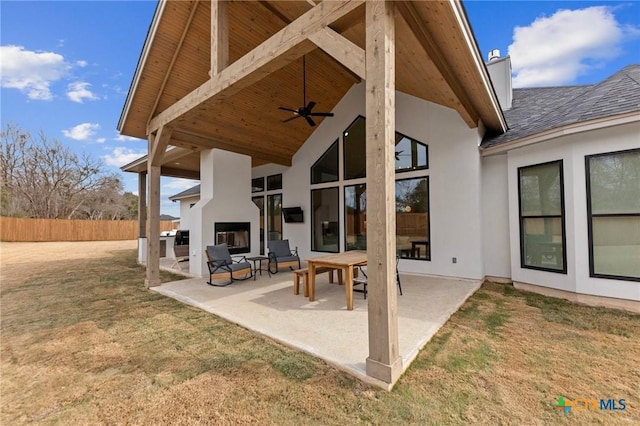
(454, 180)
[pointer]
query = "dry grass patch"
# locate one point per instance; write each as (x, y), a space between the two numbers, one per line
(84, 343)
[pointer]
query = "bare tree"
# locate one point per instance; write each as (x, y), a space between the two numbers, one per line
(42, 178)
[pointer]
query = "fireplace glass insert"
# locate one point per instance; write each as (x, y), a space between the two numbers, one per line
(235, 234)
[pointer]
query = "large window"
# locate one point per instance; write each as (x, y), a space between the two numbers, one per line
(259, 201)
(257, 184)
(325, 218)
(274, 182)
(274, 216)
(542, 236)
(412, 218)
(354, 140)
(410, 154)
(613, 207)
(326, 168)
(355, 207)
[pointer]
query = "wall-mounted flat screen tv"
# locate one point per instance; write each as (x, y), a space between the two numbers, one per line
(292, 214)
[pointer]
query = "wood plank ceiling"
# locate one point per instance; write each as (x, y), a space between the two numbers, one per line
(433, 63)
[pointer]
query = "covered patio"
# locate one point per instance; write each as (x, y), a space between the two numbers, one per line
(208, 95)
(325, 328)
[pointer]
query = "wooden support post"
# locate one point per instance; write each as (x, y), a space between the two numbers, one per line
(384, 362)
(153, 215)
(142, 205)
(219, 36)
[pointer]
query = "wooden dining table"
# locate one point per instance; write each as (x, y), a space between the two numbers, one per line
(342, 261)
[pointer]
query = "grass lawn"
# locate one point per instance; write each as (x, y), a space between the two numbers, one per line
(84, 343)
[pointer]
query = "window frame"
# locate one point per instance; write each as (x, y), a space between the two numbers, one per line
(345, 214)
(335, 144)
(262, 188)
(562, 217)
(268, 215)
(337, 189)
(591, 215)
(274, 188)
(344, 150)
(416, 168)
(428, 236)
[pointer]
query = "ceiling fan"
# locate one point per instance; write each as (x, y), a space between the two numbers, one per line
(399, 154)
(305, 111)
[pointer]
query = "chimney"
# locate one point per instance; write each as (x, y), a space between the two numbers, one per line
(500, 74)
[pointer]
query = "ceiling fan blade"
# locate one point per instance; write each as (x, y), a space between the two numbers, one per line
(309, 120)
(292, 118)
(288, 109)
(321, 114)
(310, 106)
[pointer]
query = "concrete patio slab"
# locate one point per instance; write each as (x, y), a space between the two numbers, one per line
(325, 328)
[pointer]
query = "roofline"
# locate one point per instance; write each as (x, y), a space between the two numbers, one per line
(570, 129)
(141, 61)
(174, 198)
(463, 22)
(134, 163)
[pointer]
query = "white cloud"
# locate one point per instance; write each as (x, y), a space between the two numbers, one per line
(121, 156)
(555, 50)
(123, 138)
(179, 184)
(79, 90)
(82, 131)
(81, 63)
(31, 72)
(101, 140)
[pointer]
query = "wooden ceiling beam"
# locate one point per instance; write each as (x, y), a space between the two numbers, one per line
(179, 173)
(282, 48)
(219, 36)
(175, 153)
(192, 140)
(414, 22)
(158, 145)
(342, 50)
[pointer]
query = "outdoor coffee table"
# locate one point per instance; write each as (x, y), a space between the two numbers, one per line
(257, 265)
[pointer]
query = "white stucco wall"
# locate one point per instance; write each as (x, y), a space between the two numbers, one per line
(572, 150)
(495, 214)
(454, 179)
(225, 196)
(185, 211)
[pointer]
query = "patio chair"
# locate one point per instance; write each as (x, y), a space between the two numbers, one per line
(223, 267)
(180, 254)
(280, 255)
(361, 279)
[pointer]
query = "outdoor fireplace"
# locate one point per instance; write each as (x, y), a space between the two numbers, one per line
(235, 234)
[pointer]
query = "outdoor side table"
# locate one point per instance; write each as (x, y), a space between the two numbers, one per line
(257, 265)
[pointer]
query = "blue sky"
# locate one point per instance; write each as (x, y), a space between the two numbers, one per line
(66, 67)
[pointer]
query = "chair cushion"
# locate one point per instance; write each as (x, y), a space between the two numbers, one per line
(280, 248)
(287, 259)
(219, 254)
(240, 266)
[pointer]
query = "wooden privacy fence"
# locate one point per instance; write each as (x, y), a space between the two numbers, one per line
(27, 229)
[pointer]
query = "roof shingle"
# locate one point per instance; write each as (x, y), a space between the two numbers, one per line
(536, 110)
